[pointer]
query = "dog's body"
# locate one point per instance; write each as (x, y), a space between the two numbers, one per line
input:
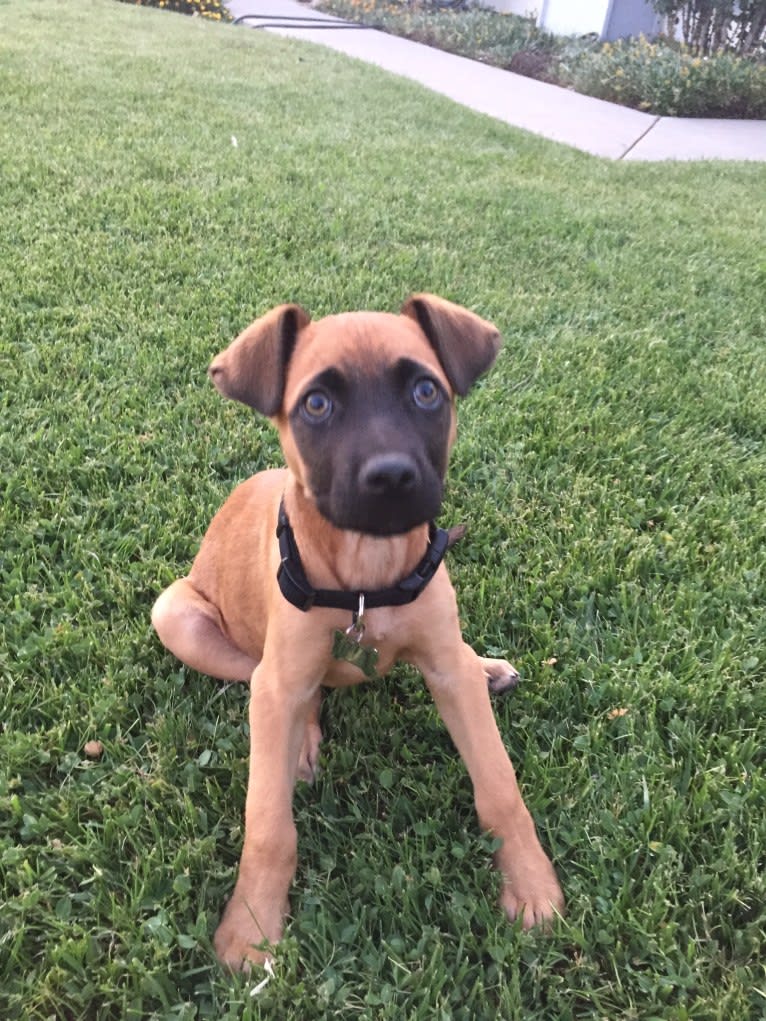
(364, 403)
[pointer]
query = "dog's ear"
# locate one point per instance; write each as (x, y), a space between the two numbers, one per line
(253, 367)
(465, 344)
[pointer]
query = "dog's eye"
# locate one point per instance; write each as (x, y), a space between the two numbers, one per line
(426, 393)
(316, 406)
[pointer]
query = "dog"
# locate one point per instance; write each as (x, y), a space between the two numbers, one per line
(328, 571)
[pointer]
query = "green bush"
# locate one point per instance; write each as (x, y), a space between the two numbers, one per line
(212, 9)
(668, 80)
(712, 26)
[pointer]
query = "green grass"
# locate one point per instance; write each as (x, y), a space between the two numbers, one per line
(611, 470)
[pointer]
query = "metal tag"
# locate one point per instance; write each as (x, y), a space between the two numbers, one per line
(347, 646)
(351, 651)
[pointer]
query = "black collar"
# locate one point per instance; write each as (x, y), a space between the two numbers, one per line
(296, 589)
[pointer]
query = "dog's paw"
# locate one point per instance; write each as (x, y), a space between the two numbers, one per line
(532, 894)
(235, 953)
(240, 940)
(501, 676)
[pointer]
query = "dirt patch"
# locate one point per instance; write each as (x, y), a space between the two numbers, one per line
(534, 64)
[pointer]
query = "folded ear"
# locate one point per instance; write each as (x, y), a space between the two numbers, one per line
(253, 367)
(465, 344)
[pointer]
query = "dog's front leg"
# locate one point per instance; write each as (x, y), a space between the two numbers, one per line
(459, 688)
(279, 710)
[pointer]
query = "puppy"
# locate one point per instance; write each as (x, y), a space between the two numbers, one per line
(329, 571)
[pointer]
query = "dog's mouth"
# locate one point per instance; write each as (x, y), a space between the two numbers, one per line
(380, 521)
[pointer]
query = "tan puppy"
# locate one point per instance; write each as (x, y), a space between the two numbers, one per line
(365, 407)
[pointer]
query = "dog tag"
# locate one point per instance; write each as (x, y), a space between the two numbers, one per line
(347, 646)
(352, 651)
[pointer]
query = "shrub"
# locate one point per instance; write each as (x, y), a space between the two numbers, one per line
(212, 9)
(711, 26)
(670, 81)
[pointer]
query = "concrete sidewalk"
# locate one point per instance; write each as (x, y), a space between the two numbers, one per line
(592, 125)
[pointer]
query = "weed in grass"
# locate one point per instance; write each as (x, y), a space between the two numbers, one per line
(611, 471)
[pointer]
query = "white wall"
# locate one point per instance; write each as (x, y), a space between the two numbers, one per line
(609, 19)
(573, 17)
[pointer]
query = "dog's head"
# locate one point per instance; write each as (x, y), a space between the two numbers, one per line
(364, 402)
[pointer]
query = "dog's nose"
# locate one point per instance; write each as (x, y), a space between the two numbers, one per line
(389, 475)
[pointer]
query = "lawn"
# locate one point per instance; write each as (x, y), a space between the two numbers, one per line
(165, 180)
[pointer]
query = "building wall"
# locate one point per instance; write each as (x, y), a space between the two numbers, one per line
(573, 17)
(631, 17)
(608, 19)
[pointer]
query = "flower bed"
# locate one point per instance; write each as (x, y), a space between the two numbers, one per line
(661, 77)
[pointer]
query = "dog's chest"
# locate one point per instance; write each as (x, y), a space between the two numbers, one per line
(378, 627)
